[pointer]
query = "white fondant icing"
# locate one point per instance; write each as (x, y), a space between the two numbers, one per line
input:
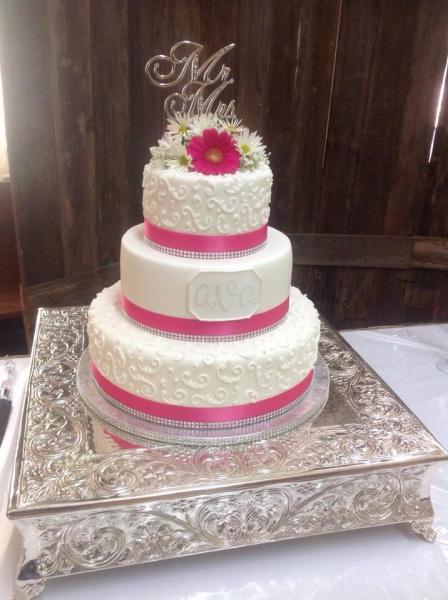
(207, 204)
(202, 374)
(161, 283)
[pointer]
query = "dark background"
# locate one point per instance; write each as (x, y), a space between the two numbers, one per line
(344, 93)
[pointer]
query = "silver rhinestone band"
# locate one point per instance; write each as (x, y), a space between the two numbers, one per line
(197, 425)
(203, 255)
(202, 338)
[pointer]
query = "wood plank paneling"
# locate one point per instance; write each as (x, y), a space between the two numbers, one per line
(434, 215)
(427, 63)
(344, 93)
(359, 25)
(388, 82)
(10, 300)
(111, 103)
(387, 297)
(431, 253)
(69, 291)
(25, 56)
(354, 303)
(218, 26)
(425, 297)
(71, 72)
(253, 59)
(302, 49)
(380, 251)
(9, 265)
(355, 250)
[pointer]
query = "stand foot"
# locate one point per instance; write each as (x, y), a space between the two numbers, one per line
(28, 583)
(423, 527)
(26, 590)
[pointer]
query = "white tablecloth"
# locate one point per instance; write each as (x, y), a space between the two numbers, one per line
(375, 564)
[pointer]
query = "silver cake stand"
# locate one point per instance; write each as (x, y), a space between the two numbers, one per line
(84, 503)
(128, 425)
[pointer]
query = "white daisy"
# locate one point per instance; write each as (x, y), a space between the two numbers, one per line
(232, 125)
(161, 152)
(252, 149)
(158, 156)
(179, 125)
(203, 121)
(178, 158)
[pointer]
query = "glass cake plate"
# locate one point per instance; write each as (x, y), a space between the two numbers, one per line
(83, 502)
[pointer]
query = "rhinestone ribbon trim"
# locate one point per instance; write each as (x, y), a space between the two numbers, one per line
(208, 244)
(203, 338)
(203, 255)
(180, 326)
(192, 414)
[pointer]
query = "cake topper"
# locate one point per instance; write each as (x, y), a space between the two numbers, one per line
(204, 83)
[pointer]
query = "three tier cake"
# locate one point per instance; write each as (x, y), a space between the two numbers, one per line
(204, 326)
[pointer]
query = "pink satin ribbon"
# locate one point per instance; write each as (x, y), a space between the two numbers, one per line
(194, 327)
(193, 242)
(200, 415)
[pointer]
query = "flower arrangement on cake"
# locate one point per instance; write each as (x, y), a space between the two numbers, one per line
(209, 144)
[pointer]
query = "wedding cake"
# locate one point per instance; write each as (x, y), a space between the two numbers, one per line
(204, 326)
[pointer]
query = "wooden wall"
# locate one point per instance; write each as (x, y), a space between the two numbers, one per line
(10, 300)
(344, 92)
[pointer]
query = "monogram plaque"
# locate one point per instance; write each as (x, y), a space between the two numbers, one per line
(218, 296)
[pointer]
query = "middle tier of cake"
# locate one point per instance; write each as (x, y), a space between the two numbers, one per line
(205, 298)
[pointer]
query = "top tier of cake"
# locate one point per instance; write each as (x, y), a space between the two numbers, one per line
(207, 205)
(207, 188)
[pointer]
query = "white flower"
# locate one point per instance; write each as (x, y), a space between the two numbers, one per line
(232, 125)
(249, 142)
(178, 158)
(171, 151)
(252, 149)
(203, 121)
(158, 156)
(161, 152)
(179, 125)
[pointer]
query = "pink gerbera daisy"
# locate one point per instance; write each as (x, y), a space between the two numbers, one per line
(213, 153)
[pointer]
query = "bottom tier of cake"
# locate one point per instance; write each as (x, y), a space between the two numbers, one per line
(133, 365)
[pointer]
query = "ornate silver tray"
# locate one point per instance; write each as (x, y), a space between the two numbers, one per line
(83, 502)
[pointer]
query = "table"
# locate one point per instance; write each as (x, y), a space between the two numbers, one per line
(386, 562)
